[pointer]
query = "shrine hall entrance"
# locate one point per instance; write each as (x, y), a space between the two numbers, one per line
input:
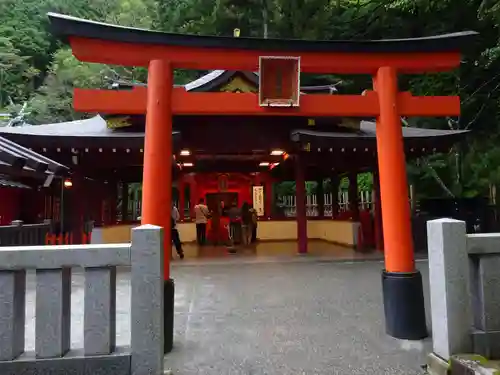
(217, 204)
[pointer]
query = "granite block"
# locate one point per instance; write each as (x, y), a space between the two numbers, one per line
(12, 313)
(473, 364)
(483, 243)
(489, 272)
(74, 363)
(100, 310)
(53, 313)
(54, 257)
(449, 287)
(436, 365)
(486, 343)
(147, 305)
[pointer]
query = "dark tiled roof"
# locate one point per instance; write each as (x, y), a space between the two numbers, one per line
(95, 127)
(19, 157)
(367, 130)
(216, 78)
(6, 182)
(67, 26)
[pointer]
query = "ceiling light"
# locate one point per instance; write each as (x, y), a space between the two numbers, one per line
(68, 183)
(264, 164)
(187, 164)
(277, 152)
(185, 152)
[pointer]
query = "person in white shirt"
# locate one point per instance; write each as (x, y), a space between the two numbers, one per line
(202, 215)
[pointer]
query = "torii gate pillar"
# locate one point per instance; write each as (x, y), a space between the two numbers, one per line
(401, 282)
(157, 175)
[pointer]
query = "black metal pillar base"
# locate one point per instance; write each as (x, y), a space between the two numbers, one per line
(404, 305)
(168, 315)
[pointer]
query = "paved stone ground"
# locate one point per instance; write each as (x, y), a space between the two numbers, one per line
(286, 318)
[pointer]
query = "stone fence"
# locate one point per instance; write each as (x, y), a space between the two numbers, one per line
(464, 282)
(53, 266)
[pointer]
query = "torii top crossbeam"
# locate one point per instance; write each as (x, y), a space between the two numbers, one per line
(110, 44)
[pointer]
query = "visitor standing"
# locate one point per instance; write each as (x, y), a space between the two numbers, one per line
(175, 233)
(246, 224)
(202, 215)
(234, 215)
(255, 221)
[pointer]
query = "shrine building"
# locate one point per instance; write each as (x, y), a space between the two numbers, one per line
(219, 159)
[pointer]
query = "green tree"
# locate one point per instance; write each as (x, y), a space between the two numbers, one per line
(15, 73)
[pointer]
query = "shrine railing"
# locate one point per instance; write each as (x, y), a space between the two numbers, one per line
(18, 234)
(286, 205)
(100, 355)
(47, 233)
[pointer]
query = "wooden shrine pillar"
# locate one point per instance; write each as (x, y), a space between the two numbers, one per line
(300, 196)
(181, 186)
(124, 193)
(193, 197)
(353, 196)
(96, 203)
(157, 175)
(77, 208)
(401, 282)
(268, 197)
(113, 201)
(377, 213)
(320, 198)
(335, 183)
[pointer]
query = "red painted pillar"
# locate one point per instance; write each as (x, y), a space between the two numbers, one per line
(157, 173)
(377, 213)
(77, 208)
(392, 175)
(300, 193)
(193, 196)
(182, 197)
(335, 182)
(113, 201)
(353, 196)
(268, 197)
(320, 198)
(401, 283)
(124, 193)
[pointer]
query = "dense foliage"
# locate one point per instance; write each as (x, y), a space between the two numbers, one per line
(35, 68)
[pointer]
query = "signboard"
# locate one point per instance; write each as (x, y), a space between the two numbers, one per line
(258, 200)
(118, 122)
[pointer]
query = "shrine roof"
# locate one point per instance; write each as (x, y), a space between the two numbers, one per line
(94, 127)
(5, 181)
(66, 26)
(367, 131)
(216, 78)
(18, 157)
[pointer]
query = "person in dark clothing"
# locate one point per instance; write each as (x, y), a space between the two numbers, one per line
(255, 221)
(246, 224)
(234, 222)
(175, 233)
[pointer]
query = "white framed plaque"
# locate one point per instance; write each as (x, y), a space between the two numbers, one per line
(258, 199)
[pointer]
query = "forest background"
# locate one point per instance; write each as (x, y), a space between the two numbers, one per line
(38, 73)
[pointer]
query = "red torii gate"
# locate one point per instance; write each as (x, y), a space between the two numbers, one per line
(384, 60)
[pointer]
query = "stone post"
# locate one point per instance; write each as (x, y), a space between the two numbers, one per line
(147, 300)
(449, 287)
